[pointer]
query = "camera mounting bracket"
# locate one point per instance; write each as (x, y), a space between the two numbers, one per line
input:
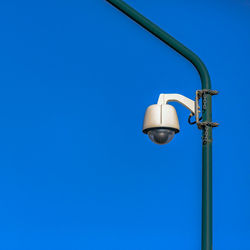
(186, 102)
(203, 94)
(191, 105)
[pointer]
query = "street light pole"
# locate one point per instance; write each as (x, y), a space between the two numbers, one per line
(206, 124)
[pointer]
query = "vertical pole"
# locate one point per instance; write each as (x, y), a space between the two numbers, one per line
(207, 199)
(207, 238)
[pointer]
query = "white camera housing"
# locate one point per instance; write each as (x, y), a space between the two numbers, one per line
(161, 116)
(161, 121)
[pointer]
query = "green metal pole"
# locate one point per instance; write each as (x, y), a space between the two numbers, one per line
(207, 232)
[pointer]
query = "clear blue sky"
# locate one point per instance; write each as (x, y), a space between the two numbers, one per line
(75, 170)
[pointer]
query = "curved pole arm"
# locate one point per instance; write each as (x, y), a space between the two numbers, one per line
(186, 102)
(166, 38)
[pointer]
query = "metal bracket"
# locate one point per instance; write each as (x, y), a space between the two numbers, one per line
(204, 125)
(203, 94)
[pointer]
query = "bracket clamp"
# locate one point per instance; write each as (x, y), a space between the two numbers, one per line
(203, 94)
(204, 125)
(206, 91)
(201, 125)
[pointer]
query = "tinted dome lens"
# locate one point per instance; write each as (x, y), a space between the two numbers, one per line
(161, 135)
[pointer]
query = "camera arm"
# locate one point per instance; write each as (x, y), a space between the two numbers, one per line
(186, 102)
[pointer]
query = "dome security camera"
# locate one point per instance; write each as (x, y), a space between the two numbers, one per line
(161, 121)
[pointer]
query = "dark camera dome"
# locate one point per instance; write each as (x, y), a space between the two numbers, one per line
(161, 135)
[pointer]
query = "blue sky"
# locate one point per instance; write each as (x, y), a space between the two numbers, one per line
(76, 171)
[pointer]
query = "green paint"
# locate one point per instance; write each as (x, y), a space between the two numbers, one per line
(207, 237)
